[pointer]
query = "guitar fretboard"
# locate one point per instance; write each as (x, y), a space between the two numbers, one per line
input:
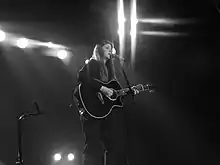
(122, 92)
(138, 87)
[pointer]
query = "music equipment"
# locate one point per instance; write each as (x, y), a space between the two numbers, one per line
(98, 105)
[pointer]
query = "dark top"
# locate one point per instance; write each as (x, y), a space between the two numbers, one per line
(94, 70)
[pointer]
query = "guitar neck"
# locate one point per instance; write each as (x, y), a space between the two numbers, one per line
(123, 91)
(138, 87)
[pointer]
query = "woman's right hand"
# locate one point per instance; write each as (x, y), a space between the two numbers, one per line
(106, 91)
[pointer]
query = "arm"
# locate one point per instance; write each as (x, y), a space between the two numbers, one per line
(86, 74)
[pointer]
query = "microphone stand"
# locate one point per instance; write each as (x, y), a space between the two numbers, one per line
(19, 159)
(133, 101)
(127, 82)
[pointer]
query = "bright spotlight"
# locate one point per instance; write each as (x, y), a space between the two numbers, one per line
(133, 31)
(134, 19)
(121, 26)
(62, 54)
(121, 18)
(50, 45)
(22, 43)
(70, 156)
(2, 36)
(57, 157)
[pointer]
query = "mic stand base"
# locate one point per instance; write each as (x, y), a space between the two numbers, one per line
(19, 160)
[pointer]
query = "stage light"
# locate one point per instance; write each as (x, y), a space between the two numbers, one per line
(50, 45)
(62, 54)
(22, 43)
(70, 156)
(57, 157)
(167, 21)
(121, 26)
(162, 33)
(134, 19)
(121, 18)
(2, 36)
(133, 31)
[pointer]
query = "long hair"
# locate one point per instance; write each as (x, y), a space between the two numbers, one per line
(98, 54)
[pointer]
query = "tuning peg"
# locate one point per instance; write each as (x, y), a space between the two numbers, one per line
(152, 88)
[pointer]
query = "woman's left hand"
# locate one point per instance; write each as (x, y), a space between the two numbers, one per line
(135, 91)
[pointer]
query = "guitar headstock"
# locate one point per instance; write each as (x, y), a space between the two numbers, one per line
(146, 87)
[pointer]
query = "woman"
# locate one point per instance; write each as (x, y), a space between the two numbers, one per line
(100, 67)
(102, 135)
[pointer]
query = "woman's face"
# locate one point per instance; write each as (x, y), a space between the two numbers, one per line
(107, 49)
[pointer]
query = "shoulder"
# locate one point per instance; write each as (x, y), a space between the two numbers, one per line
(93, 63)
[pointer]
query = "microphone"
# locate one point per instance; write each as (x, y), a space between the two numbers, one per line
(117, 56)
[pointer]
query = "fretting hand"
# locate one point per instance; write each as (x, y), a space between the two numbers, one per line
(135, 91)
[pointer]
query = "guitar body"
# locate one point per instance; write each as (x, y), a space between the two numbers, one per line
(95, 103)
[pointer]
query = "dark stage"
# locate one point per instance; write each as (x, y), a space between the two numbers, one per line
(176, 125)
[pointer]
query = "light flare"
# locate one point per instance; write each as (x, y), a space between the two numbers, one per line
(121, 26)
(133, 31)
(22, 43)
(2, 36)
(161, 33)
(166, 21)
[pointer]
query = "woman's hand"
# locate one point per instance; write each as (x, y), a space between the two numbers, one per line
(107, 91)
(135, 91)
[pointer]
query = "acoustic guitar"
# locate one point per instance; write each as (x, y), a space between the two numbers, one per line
(98, 105)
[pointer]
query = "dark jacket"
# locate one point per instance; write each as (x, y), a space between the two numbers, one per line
(91, 71)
